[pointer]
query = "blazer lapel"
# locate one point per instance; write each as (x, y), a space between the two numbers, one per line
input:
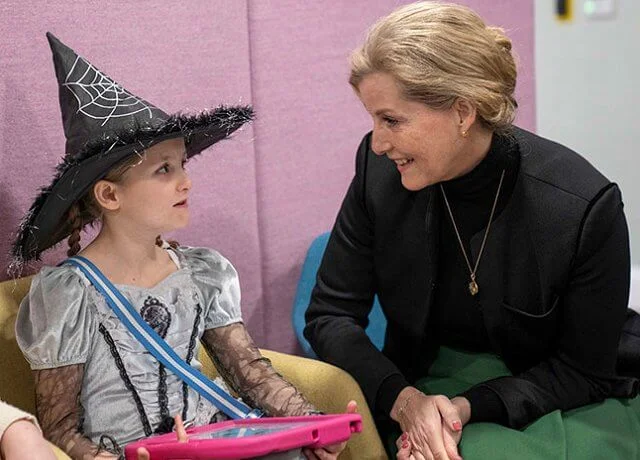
(422, 257)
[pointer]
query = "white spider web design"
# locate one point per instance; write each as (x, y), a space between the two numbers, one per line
(99, 97)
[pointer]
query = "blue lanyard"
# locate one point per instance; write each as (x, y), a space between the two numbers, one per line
(158, 347)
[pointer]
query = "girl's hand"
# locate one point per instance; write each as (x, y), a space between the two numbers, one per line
(433, 423)
(332, 451)
(181, 433)
(143, 454)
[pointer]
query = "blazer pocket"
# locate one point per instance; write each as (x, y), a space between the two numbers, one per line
(531, 336)
(545, 314)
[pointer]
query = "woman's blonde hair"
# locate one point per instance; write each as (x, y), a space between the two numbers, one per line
(438, 52)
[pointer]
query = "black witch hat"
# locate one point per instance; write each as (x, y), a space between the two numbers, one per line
(104, 125)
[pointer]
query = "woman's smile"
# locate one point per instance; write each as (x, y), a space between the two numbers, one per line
(402, 163)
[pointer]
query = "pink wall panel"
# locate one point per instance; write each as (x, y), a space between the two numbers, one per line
(261, 198)
(177, 55)
(311, 123)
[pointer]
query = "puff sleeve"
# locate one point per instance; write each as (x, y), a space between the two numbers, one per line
(217, 282)
(55, 324)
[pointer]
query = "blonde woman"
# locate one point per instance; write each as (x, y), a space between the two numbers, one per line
(481, 240)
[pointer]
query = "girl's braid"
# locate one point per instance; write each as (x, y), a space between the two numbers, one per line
(75, 218)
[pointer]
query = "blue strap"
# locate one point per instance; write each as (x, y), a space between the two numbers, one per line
(158, 347)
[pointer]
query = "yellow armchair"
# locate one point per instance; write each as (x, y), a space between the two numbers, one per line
(326, 386)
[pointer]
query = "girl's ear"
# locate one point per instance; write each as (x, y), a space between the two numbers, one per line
(466, 113)
(106, 195)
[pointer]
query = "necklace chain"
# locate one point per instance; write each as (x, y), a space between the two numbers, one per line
(473, 285)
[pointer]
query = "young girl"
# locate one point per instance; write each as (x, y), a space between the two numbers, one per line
(97, 387)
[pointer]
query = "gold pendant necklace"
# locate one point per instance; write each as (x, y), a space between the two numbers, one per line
(473, 285)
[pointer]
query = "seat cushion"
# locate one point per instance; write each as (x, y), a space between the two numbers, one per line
(16, 380)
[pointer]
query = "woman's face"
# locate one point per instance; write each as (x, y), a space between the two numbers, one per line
(153, 193)
(426, 145)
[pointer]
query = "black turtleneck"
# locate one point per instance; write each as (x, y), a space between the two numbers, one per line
(457, 319)
(457, 315)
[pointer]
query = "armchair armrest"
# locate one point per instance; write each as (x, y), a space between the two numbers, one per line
(329, 389)
(58, 453)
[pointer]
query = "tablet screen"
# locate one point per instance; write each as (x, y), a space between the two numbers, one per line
(243, 431)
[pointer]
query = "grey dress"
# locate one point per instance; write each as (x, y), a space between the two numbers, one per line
(65, 321)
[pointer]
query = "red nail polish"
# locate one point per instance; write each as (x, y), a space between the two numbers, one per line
(404, 436)
(457, 425)
(405, 445)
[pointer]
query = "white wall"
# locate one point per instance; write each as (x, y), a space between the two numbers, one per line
(588, 93)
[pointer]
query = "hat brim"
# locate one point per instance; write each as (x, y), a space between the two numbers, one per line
(45, 224)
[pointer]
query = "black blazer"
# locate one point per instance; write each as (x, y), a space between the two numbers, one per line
(554, 282)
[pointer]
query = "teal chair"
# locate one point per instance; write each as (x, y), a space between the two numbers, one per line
(377, 322)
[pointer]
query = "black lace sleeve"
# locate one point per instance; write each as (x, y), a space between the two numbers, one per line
(250, 374)
(59, 411)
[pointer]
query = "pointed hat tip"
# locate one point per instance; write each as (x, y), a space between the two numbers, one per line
(54, 42)
(63, 56)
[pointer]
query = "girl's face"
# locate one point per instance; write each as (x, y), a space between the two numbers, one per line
(425, 144)
(153, 193)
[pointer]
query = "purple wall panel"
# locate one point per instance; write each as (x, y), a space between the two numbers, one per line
(310, 124)
(177, 55)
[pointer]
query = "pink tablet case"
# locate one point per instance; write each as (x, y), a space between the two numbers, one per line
(249, 438)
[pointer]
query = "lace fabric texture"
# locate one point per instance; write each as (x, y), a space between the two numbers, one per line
(59, 411)
(250, 374)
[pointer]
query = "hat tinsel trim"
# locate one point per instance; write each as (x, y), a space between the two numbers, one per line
(221, 121)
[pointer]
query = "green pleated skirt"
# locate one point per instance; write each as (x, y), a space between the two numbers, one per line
(609, 430)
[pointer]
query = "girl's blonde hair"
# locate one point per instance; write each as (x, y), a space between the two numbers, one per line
(438, 52)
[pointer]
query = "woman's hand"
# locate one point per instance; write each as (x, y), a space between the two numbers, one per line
(433, 424)
(330, 452)
(404, 448)
(22, 439)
